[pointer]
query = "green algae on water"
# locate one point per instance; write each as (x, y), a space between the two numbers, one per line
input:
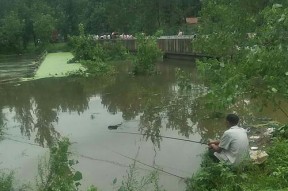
(55, 65)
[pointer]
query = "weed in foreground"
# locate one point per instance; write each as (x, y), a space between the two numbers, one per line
(134, 182)
(57, 173)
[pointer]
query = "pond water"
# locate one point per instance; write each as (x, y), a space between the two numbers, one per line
(13, 67)
(34, 113)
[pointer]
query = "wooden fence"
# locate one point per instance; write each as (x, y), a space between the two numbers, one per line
(169, 45)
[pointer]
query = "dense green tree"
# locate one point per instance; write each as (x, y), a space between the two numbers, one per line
(11, 32)
(39, 17)
(250, 46)
(96, 20)
(121, 14)
(69, 14)
(43, 27)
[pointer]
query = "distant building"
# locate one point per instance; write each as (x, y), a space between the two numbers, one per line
(191, 20)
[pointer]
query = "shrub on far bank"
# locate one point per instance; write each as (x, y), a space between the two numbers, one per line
(95, 54)
(147, 54)
(57, 47)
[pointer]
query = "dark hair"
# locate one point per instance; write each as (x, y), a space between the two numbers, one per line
(232, 119)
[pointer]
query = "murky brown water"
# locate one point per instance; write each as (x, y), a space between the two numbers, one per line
(36, 113)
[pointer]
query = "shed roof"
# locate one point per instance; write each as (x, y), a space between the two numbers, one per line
(192, 20)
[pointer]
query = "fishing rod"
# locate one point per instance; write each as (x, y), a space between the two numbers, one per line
(164, 137)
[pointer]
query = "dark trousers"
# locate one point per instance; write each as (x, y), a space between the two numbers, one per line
(212, 156)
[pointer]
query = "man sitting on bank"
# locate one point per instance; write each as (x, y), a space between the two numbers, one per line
(233, 147)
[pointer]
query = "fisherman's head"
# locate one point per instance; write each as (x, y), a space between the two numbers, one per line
(232, 120)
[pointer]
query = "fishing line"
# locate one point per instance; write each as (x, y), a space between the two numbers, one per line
(102, 160)
(91, 158)
(164, 137)
(81, 155)
(135, 160)
(22, 141)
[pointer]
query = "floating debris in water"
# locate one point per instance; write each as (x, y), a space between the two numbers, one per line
(114, 127)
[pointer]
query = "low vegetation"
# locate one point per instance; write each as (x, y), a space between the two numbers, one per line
(134, 182)
(6, 181)
(95, 55)
(57, 47)
(57, 173)
(147, 54)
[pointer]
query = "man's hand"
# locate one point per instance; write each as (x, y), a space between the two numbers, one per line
(214, 145)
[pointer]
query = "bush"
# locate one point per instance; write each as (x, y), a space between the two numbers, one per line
(57, 47)
(97, 68)
(132, 182)
(6, 181)
(57, 173)
(215, 176)
(94, 54)
(147, 54)
(115, 50)
(84, 48)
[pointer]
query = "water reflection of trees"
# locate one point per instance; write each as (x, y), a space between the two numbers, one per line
(156, 99)
(37, 105)
(173, 112)
(159, 104)
(2, 123)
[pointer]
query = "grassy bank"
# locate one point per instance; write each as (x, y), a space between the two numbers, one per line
(271, 175)
(58, 47)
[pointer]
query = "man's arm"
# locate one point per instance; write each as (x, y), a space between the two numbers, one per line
(215, 147)
(218, 146)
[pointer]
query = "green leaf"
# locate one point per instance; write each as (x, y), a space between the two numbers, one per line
(77, 184)
(71, 162)
(77, 176)
(274, 90)
(122, 188)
